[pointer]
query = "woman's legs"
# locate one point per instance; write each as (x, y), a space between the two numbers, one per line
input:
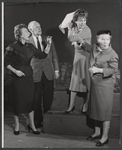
(106, 126)
(16, 118)
(72, 100)
(85, 103)
(105, 130)
(97, 130)
(31, 120)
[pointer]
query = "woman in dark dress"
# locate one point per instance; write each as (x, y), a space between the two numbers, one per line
(17, 59)
(104, 66)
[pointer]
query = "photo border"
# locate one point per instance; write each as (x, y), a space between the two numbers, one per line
(2, 55)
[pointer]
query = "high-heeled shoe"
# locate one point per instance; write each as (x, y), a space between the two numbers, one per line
(16, 132)
(68, 112)
(34, 132)
(90, 138)
(101, 144)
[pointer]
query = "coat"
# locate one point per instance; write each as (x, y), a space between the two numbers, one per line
(21, 94)
(102, 84)
(47, 65)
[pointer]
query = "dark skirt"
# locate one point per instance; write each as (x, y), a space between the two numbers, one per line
(21, 98)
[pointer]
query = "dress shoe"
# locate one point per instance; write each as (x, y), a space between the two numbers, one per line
(16, 132)
(90, 138)
(68, 112)
(101, 144)
(34, 132)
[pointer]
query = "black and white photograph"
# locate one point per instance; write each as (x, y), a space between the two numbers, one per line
(61, 74)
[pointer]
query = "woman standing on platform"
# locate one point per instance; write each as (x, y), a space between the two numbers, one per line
(17, 60)
(104, 65)
(79, 34)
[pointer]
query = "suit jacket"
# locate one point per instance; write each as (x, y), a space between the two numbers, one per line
(47, 65)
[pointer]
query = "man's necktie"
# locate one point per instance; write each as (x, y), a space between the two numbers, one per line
(38, 44)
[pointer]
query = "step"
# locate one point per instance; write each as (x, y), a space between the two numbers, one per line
(61, 99)
(76, 124)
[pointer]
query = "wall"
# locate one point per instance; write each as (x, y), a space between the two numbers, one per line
(102, 15)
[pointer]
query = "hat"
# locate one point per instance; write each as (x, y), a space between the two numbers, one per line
(104, 32)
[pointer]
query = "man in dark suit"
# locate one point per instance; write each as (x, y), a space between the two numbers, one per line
(45, 71)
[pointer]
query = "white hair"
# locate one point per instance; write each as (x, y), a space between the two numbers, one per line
(31, 25)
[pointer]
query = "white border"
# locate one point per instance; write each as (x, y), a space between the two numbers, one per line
(2, 75)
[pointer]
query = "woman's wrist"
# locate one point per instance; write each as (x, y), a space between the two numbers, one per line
(14, 71)
(101, 70)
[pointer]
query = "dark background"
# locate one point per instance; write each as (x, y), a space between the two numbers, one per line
(102, 15)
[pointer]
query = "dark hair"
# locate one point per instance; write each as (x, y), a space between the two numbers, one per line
(17, 30)
(103, 32)
(80, 13)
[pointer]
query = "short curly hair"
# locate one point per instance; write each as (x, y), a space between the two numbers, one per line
(80, 13)
(17, 30)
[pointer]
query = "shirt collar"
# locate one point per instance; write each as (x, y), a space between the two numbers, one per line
(39, 37)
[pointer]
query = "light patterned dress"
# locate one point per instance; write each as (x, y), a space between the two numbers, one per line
(80, 79)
